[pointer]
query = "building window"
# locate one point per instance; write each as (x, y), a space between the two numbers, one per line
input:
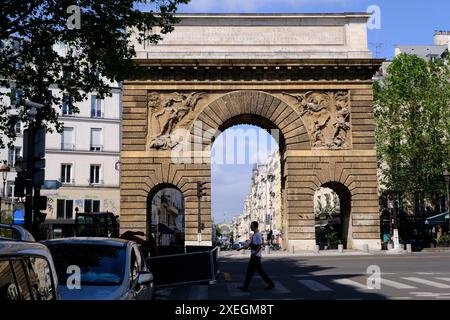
(67, 107)
(9, 189)
(16, 97)
(96, 144)
(66, 173)
(64, 209)
(18, 128)
(96, 107)
(67, 139)
(95, 174)
(91, 205)
(13, 155)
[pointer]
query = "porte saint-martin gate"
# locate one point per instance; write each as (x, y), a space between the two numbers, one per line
(306, 75)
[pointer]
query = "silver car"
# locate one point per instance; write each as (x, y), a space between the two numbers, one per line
(100, 269)
(26, 267)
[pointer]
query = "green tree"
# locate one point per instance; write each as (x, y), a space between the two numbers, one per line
(101, 43)
(218, 230)
(413, 125)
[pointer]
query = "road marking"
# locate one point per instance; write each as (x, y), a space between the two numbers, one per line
(351, 283)
(428, 282)
(395, 284)
(198, 293)
(280, 288)
(444, 279)
(234, 291)
(314, 285)
(401, 298)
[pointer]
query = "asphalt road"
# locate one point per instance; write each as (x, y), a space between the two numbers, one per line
(419, 276)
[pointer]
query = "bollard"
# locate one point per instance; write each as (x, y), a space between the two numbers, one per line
(317, 249)
(365, 247)
(267, 249)
(409, 248)
(292, 249)
(341, 248)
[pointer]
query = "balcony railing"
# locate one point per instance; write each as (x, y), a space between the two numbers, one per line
(67, 146)
(69, 181)
(95, 182)
(95, 147)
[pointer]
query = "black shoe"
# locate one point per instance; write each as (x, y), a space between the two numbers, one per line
(242, 289)
(270, 287)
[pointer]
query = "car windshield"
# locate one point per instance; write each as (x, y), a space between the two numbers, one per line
(100, 265)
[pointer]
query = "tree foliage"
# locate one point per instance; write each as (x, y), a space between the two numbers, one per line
(412, 110)
(30, 32)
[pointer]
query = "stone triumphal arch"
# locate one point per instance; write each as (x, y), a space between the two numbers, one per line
(308, 76)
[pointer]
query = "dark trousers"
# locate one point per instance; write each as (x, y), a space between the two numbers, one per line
(255, 265)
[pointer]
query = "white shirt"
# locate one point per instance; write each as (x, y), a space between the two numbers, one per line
(257, 240)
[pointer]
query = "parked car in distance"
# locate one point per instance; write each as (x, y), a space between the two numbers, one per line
(27, 271)
(110, 269)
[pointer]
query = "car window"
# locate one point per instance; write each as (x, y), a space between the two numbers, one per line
(21, 279)
(100, 264)
(134, 265)
(40, 277)
(8, 288)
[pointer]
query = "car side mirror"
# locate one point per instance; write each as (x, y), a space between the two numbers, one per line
(145, 278)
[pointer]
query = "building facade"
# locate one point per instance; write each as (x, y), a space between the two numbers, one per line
(85, 158)
(263, 204)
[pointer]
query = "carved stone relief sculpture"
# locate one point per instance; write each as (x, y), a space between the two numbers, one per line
(327, 118)
(166, 112)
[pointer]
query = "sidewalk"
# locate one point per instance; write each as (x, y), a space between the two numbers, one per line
(323, 253)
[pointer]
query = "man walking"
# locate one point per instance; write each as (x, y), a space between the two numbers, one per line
(254, 264)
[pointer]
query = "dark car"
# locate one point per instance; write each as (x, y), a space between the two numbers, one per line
(110, 269)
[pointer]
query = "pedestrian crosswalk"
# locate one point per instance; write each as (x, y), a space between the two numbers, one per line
(309, 286)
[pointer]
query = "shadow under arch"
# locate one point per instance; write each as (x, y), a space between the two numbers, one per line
(345, 200)
(149, 209)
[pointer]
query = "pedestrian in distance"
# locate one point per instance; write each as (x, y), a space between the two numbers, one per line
(254, 264)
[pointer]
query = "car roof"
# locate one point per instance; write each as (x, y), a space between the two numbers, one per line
(89, 240)
(19, 248)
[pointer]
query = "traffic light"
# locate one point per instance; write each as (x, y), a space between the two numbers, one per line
(19, 187)
(201, 189)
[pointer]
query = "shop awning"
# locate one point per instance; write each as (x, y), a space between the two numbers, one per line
(439, 219)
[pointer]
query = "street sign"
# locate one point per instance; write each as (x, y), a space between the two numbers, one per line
(51, 185)
(19, 216)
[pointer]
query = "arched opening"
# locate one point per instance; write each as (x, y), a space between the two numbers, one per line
(166, 218)
(247, 179)
(332, 203)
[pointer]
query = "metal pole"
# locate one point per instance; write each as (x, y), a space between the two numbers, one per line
(448, 202)
(199, 225)
(29, 181)
(4, 186)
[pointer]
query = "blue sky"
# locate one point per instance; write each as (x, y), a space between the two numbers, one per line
(402, 23)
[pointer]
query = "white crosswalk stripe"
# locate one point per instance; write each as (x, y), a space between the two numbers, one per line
(444, 279)
(314, 285)
(198, 293)
(279, 288)
(428, 282)
(395, 284)
(234, 292)
(351, 283)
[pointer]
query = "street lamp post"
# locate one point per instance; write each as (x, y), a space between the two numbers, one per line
(447, 182)
(4, 169)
